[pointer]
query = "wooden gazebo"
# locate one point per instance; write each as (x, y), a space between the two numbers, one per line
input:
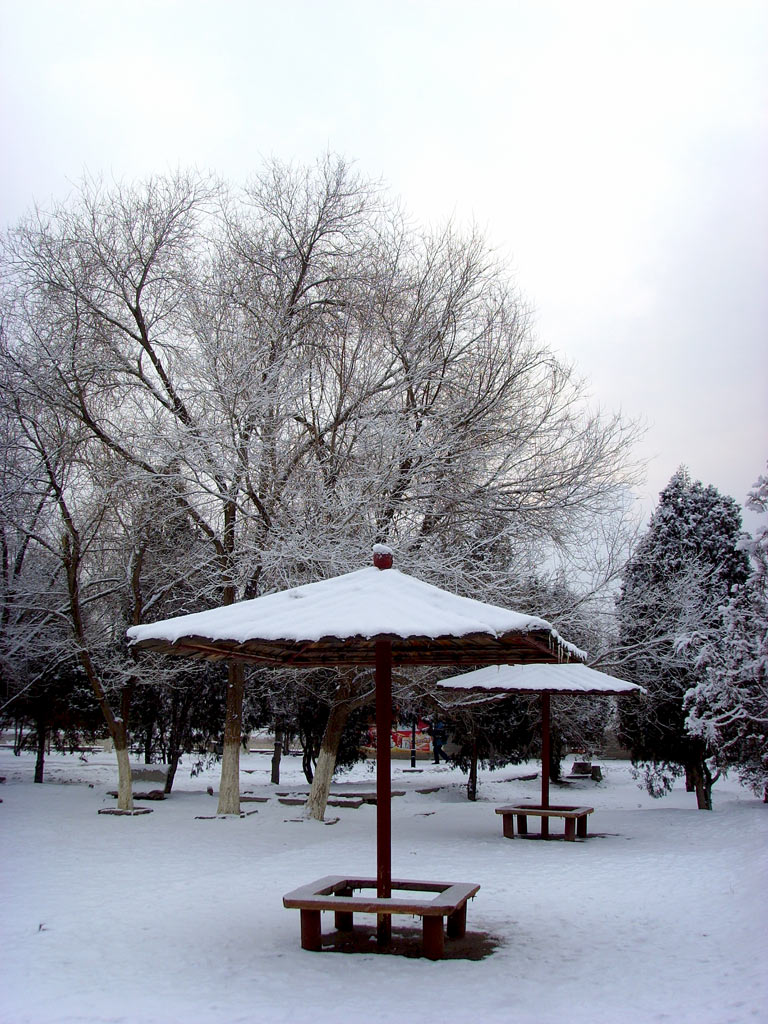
(379, 617)
(500, 682)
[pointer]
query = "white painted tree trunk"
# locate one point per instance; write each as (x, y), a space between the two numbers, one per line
(317, 800)
(276, 756)
(229, 786)
(124, 779)
(326, 759)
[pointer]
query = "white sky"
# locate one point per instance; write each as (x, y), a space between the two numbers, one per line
(615, 152)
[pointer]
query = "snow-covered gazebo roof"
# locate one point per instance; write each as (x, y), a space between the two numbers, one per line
(571, 678)
(337, 622)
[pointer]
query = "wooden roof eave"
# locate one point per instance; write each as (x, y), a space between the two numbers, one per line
(476, 649)
(498, 693)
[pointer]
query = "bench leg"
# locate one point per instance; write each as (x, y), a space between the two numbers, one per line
(311, 930)
(383, 930)
(570, 829)
(343, 919)
(508, 826)
(456, 923)
(522, 825)
(433, 941)
(545, 828)
(581, 827)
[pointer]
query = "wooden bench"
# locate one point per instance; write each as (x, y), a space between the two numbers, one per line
(299, 796)
(336, 893)
(332, 801)
(575, 819)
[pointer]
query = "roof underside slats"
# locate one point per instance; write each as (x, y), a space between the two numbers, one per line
(473, 649)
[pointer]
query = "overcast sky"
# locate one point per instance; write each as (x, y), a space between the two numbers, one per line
(615, 152)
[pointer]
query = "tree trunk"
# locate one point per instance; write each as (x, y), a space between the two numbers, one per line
(701, 780)
(180, 709)
(326, 759)
(472, 780)
(40, 758)
(307, 766)
(173, 763)
(120, 736)
(278, 753)
(704, 792)
(124, 779)
(229, 787)
(117, 725)
(18, 738)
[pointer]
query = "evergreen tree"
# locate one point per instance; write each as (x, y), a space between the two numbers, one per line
(684, 569)
(728, 707)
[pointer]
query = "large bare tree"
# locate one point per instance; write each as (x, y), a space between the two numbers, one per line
(300, 372)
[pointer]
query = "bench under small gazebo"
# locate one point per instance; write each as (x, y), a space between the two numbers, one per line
(500, 682)
(378, 617)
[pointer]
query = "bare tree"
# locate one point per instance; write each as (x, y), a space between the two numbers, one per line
(299, 372)
(61, 474)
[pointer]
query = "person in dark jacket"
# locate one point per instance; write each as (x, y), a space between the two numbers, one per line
(438, 734)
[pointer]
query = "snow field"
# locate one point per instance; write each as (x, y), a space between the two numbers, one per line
(169, 918)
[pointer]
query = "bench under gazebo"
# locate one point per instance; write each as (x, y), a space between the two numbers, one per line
(377, 617)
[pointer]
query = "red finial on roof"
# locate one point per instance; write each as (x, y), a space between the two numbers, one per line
(382, 556)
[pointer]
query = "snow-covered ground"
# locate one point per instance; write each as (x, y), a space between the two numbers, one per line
(169, 917)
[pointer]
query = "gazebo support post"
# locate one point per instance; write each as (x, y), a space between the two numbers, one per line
(545, 745)
(383, 785)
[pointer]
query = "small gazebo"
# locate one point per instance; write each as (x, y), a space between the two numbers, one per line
(500, 682)
(378, 617)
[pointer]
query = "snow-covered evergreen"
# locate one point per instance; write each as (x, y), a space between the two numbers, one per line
(728, 707)
(685, 567)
